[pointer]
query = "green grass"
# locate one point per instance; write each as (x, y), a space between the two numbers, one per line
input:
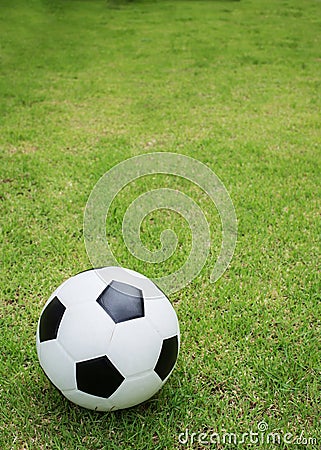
(87, 84)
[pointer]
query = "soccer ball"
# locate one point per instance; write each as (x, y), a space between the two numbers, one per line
(108, 338)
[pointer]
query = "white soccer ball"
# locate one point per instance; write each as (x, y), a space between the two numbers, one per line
(108, 338)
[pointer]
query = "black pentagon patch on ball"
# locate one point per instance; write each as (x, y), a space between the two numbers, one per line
(167, 357)
(122, 301)
(50, 320)
(98, 376)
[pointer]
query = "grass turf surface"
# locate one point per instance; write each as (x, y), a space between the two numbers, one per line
(236, 85)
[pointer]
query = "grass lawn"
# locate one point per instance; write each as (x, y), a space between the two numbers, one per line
(234, 84)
